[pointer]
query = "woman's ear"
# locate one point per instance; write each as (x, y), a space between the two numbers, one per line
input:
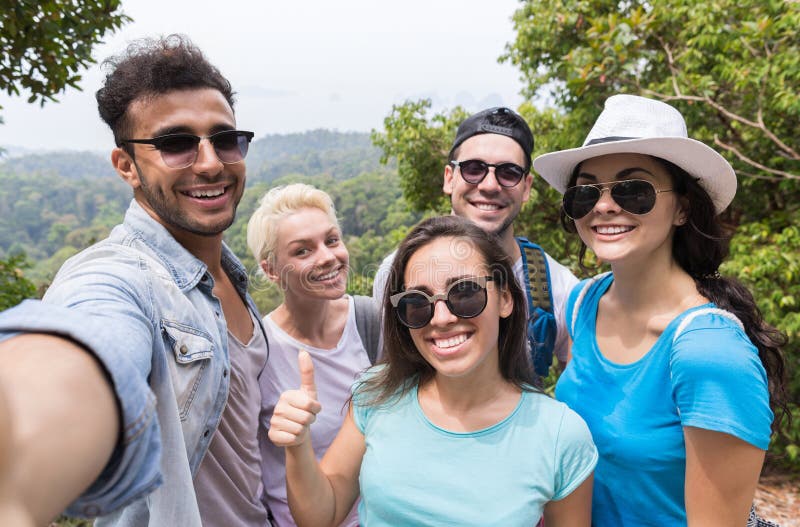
(682, 212)
(269, 270)
(506, 303)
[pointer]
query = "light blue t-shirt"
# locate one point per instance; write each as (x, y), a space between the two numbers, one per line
(711, 372)
(416, 473)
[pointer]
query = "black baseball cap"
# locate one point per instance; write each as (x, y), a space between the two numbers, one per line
(498, 120)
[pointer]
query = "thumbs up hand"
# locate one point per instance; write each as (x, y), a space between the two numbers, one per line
(296, 409)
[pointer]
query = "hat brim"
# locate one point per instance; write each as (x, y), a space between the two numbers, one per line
(713, 171)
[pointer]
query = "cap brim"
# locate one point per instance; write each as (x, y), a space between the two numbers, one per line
(713, 171)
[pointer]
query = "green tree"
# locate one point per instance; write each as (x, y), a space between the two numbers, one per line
(14, 287)
(45, 44)
(731, 67)
(420, 146)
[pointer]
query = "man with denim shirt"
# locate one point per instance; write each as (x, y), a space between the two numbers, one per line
(131, 392)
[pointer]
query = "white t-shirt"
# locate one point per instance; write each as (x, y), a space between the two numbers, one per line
(561, 281)
(335, 370)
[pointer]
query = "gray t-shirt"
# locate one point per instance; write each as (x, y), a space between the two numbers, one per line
(335, 370)
(228, 481)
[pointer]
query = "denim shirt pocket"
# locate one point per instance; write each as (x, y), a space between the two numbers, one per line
(193, 349)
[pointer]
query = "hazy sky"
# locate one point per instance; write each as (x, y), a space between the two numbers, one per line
(300, 65)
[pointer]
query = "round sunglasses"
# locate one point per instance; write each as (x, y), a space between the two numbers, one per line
(474, 170)
(465, 298)
(181, 150)
(636, 196)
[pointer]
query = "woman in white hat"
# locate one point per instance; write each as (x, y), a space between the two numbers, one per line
(672, 366)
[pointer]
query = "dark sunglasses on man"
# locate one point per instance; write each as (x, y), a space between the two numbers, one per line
(181, 150)
(636, 196)
(474, 170)
(465, 298)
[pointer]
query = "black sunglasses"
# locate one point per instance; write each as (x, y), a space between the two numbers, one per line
(465, 298)
(180, 150)
(474, 170)
(636, 196)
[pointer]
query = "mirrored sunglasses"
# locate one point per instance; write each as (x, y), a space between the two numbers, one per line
(474, 170)
(465, 298)
(181, 150)
(635, 196)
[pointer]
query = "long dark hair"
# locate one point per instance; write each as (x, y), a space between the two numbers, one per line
(700, 246)
(403, 366)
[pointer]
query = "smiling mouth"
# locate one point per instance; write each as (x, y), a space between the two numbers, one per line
(328, 276)
(612, 229)
(451, 342)
(205, 194)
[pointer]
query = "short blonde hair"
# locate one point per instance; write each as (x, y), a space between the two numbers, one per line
(277, 203)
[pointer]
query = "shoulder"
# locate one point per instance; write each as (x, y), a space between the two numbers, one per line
(712, 337)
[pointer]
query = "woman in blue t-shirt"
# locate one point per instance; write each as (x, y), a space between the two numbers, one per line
(672, 366)
(445, 430)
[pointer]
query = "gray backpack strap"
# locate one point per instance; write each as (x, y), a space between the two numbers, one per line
(579, 300)
(368, 323)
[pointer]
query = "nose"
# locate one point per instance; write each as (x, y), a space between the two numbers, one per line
(441, 314)
(489, 182)
(207, 161)
(325, 256)
(606, 204)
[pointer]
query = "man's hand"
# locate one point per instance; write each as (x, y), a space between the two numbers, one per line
(296, 409)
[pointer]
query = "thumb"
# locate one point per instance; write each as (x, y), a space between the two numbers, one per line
(307, 374)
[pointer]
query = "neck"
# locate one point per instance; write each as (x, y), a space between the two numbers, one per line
(510, 245)
(300, 315)
(207, 249)
(476, 389)
(639, 285)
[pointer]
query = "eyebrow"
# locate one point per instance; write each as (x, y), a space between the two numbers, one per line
(622, 174)
(301, 241)
(183, 129)
(450, 281)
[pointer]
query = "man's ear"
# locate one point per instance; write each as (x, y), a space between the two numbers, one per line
(447, 184)
(527, 182)
(125, 167)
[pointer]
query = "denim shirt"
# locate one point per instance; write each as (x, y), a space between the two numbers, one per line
(144, 306)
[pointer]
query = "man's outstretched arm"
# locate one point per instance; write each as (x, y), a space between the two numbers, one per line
(58, 429)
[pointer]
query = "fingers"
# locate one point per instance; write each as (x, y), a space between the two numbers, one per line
(307, 374)
(292, 418)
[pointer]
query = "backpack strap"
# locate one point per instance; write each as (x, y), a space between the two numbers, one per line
(541, 326)
(368, 324)
(537, 273)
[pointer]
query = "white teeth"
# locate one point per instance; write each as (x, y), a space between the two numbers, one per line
(612, 229)
(452, 341)
(487, 206)
(328, 276)
(206, 193)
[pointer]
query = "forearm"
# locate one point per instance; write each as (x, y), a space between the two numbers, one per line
(310, 493)
(63, 421)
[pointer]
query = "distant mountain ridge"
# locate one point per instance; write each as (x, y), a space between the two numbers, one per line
(342, 155)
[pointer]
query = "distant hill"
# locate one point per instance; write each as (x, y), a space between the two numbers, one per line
(341, 155)
(54, 204)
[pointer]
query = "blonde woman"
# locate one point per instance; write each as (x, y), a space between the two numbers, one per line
(295, 238)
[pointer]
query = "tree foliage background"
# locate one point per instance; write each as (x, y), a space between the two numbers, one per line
(731, 67)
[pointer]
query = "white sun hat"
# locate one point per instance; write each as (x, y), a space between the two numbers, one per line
(631, 124)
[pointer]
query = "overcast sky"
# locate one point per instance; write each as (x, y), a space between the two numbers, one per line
(301, 65)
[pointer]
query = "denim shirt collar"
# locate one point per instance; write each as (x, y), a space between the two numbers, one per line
(186, 269)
